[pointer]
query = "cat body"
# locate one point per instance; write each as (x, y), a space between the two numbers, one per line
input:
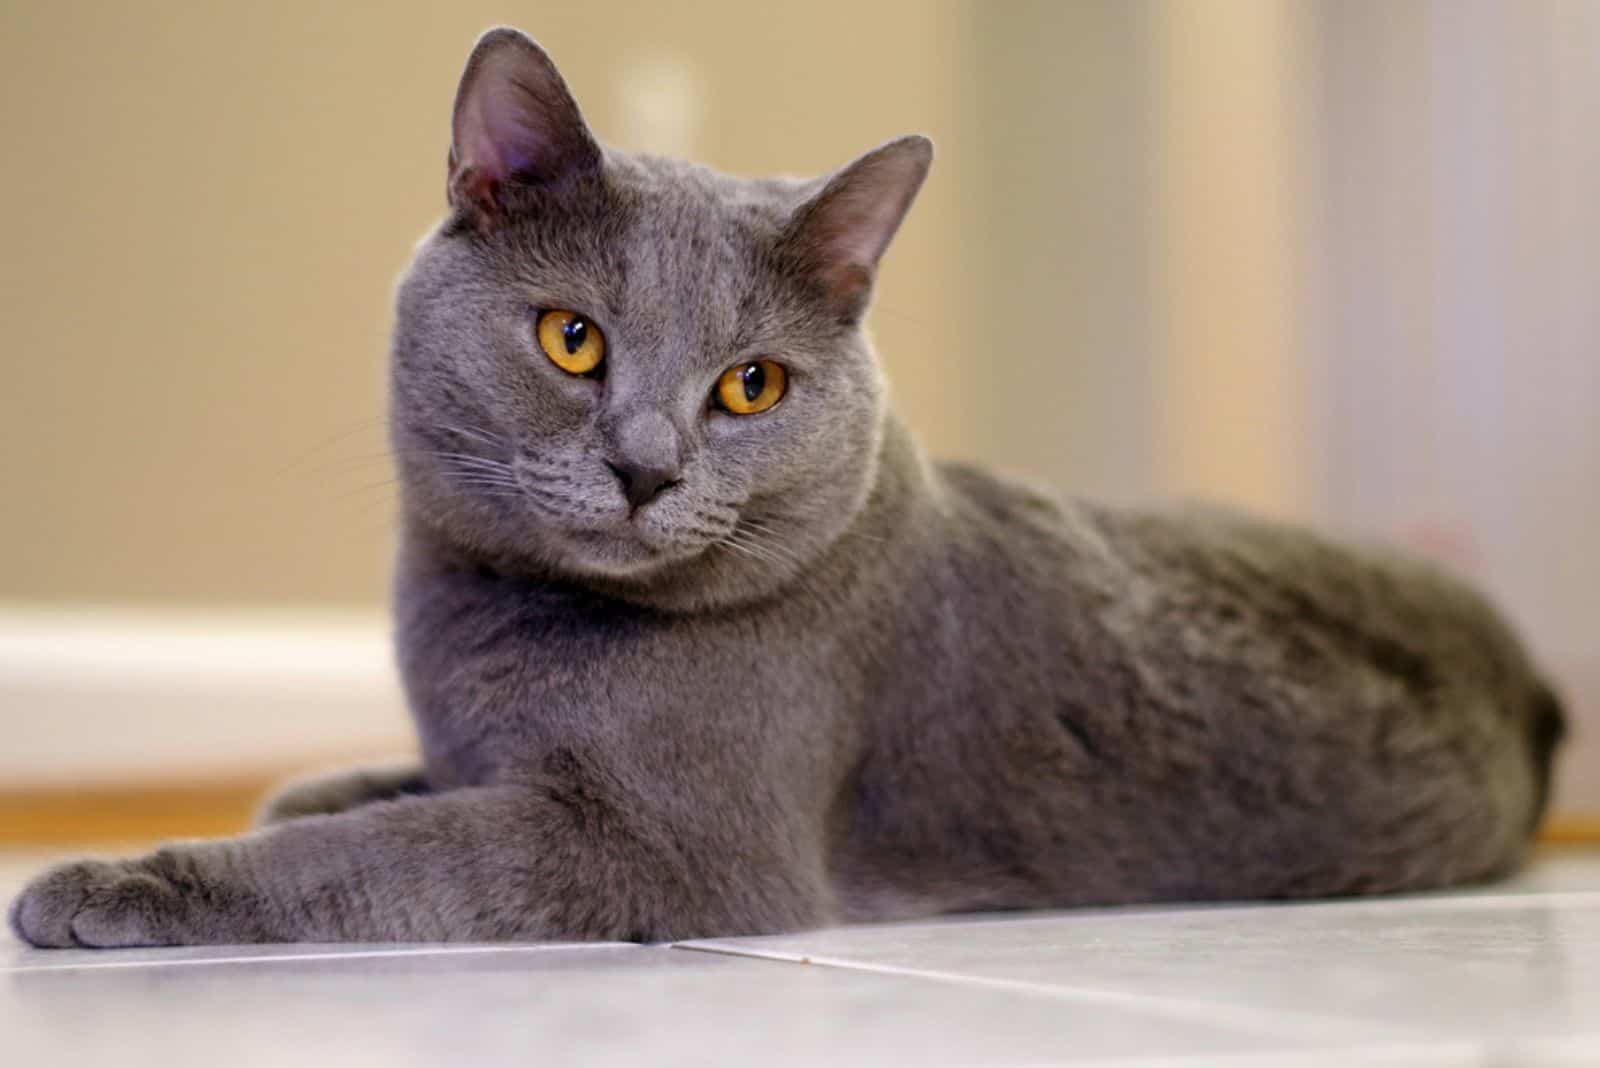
(697, 642)
(1200, 706)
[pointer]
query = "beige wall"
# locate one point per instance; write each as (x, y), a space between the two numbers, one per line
(208, 205)
(1059, 239)
(1335, 261)
(1233, 189)
(1460, 233)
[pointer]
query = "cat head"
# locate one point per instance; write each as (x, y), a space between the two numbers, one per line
(631, 372)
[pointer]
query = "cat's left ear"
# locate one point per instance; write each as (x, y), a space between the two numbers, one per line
(842, 231)
(514, 122)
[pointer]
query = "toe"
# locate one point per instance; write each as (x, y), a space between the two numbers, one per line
(42, 914)
(129, 910)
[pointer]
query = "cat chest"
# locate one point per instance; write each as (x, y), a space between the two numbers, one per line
(492, 701)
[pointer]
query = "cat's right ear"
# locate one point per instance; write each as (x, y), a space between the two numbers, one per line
(514, 122)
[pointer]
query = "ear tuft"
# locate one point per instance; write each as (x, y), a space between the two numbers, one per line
(841, 233)
(514, 121)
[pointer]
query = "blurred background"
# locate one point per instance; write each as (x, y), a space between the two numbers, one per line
(1333, 262)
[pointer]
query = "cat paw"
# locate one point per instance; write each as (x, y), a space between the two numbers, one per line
(295, 800)
(97, 904)
(331, 793)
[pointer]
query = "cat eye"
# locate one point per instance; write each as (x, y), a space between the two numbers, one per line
(751, 388)
(572, 342)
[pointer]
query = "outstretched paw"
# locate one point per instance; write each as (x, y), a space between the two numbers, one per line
(95, 903)
(331, 793)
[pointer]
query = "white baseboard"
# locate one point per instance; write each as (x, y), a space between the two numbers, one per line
(120, 696)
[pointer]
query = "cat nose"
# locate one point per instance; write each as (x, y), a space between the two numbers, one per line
(647, 458)
(640, 483)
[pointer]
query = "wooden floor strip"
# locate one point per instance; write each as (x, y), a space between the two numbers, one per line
(144, 812)
(132, 813)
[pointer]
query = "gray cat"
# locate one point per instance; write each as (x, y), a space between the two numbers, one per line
(698, 643)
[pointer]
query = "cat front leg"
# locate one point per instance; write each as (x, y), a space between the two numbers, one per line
(329, 792)
(477, 864)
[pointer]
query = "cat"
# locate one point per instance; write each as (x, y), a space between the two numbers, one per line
(698, 643)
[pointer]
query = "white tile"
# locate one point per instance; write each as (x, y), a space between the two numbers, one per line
(1483, 967)
(1529, 1053)
(581, 1007)
(1498, 976)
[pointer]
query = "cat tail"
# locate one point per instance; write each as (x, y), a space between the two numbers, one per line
(1547, 727)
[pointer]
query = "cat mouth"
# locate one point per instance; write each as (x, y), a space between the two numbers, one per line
(627, 551)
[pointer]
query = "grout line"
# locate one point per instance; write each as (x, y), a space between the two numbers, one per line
(1095, 916)
(1298, 1025)
(1504, 899)
(1430, 900)
(1475, 1052)
(1453, 1052)
(275, 958)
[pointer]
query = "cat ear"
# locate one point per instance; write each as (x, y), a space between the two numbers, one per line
(514, 121)
(841, 232)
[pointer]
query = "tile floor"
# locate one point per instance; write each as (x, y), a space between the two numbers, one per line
(1505, 976)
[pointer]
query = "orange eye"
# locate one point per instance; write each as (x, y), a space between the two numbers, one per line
(751, 388)
(572, 342)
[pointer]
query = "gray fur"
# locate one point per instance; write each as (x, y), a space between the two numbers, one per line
(816, 678)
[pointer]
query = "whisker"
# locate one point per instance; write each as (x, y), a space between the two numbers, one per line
(467, 457)
(359, 426)
(768, 532)
(485, 481)
(487, 470)
(477, 434)
(367, 507)
(710, 534)
(368, 488)
(772, 545)
(342, 465)
(740, 549)
(759, 551)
